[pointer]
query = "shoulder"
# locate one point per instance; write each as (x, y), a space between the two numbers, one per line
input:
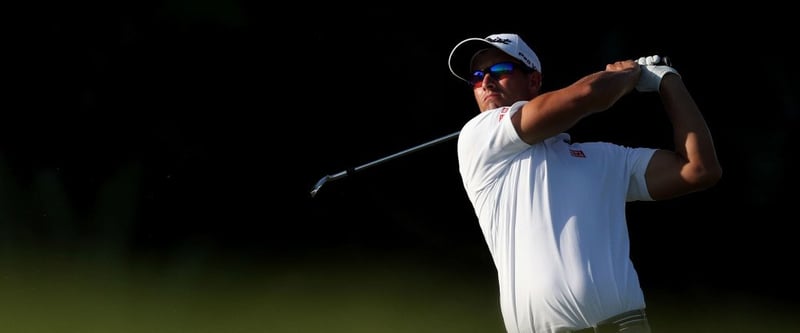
(488, 118)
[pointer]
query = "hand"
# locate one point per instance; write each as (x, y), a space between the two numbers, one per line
(653, 69)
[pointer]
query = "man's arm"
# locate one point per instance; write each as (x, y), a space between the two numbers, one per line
(693, 165)
(554, 112)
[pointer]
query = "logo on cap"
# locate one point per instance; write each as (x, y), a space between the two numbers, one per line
(525, 58)
(506, 41)
(498, 40)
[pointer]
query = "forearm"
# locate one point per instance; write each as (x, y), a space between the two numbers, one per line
(557, 111)
(603, 89)
(692, 138)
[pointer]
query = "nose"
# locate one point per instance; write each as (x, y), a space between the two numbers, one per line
(488, 80)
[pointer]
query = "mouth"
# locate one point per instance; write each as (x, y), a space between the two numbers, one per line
(491, 101)
(491, 96)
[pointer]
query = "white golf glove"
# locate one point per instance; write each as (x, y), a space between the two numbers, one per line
(653, 69)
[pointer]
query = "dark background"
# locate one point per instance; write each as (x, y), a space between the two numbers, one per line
(162, 132)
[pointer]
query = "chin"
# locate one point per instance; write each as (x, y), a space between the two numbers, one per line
(491, 105)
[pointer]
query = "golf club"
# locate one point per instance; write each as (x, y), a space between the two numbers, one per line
(663, 61)
(344, 173)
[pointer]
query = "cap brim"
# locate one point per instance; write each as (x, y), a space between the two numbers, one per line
(461, 56)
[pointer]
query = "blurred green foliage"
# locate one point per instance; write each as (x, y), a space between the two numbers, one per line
(61, 293)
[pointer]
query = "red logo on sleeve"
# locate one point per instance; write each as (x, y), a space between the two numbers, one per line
(503, 113)
(577, 153)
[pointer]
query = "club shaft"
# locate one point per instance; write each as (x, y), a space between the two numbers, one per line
(344, 173)
(407, 151)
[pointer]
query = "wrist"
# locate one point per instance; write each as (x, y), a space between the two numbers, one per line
(652, 75)
(669, 80)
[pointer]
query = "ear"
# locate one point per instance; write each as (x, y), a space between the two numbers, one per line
(535, 82)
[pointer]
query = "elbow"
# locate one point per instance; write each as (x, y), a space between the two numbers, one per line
(705, 177)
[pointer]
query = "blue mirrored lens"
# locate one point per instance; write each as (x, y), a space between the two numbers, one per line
(496, 71)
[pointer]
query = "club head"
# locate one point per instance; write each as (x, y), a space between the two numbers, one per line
(319, 184)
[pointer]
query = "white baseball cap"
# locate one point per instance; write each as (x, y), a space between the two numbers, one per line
(512, 44)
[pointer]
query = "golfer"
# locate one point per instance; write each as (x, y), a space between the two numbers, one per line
(552, 211)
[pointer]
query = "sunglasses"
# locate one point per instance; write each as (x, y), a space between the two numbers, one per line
(496, 72)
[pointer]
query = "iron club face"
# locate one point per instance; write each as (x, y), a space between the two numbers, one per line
(319, 184)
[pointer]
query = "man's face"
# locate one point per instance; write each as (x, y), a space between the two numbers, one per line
(499, 80)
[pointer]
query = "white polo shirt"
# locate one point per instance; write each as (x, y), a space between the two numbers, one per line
(553, 216)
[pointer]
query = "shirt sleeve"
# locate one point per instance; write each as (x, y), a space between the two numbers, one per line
(638, 160)
(486, 143)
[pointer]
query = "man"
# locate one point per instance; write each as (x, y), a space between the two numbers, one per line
(552, 211)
